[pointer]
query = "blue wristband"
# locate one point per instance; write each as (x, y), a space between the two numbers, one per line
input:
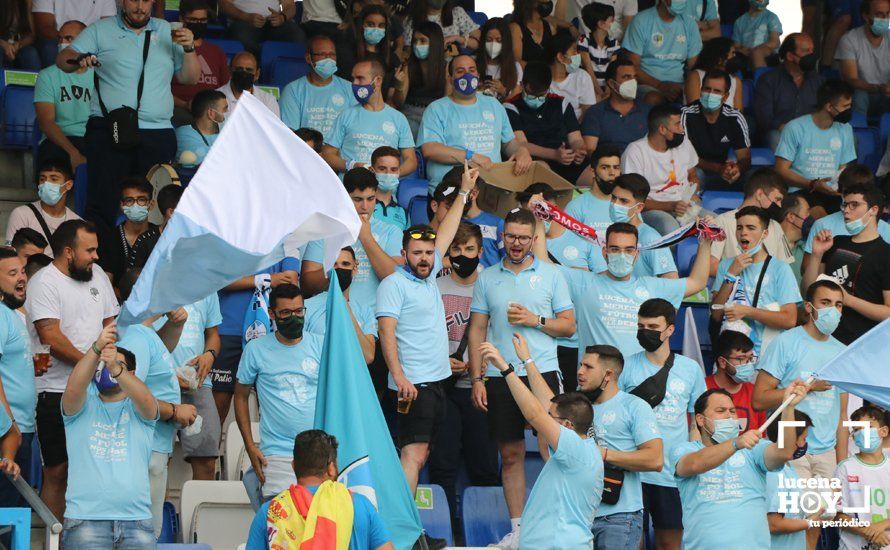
(468, 155)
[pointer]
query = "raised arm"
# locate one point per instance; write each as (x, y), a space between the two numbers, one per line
(774, 456)
(448, 227)
(76, 390)
(145, 403)
(698, 276)
(172, 329)
(539, 386)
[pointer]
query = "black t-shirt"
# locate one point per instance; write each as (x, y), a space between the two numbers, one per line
(864, 271)
(713, 142)
(547, 126)
(116, 256)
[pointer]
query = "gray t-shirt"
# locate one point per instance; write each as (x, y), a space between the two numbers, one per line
(457, 299)
(873, 63)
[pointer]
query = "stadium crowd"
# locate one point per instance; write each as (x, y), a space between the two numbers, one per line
(474, 326)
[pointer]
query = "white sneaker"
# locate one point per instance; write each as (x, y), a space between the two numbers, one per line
(509, 542)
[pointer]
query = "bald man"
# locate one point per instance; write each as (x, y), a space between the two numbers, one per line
(245, 73)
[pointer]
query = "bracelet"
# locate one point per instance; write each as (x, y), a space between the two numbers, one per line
(730, 278)
(479, 379)
(508, 370)
(350, 164)
(526, 362)
(211, 352)
(734, 445)
(468, 155)
(96, 350)
(606, 454)
(172, 416)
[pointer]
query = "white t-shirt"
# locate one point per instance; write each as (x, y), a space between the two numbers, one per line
(623, 8)
(776, 244)
(266, 98)
(80, 308)
(256, 6)
(494, 71)
(856, 478)
(577, 88)
(667, 173)
(322, 11)
(85, 11)
(22, 216)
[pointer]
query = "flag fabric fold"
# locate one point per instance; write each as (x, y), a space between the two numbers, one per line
(861, 368)
(258, 187)
(347, 407)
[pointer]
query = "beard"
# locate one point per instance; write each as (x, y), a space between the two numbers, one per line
(82, 274)
(422, 265)
(11, 301)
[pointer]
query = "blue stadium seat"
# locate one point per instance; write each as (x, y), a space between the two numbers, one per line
(484, 515)
(867, 151)
(531, 442)
(229, 47)
(417, 210)
(762, 156)
(884, 130)
(170, 526)
(726, 30)
(19, 117)
(686, 251)
(435, 516)
(760, 71)
(859, 120)
(273, 50)
(80, 190)
(676, 340)
(721, 201)
(747, 93)
(420, 172)
(409, 188)
(171, 15)
(478, 17)
(534, 463)
(286, 70)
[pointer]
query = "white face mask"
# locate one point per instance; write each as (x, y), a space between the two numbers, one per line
(628, 89)
(493, 49)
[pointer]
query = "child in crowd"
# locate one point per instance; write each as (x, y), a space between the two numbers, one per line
(597, 49)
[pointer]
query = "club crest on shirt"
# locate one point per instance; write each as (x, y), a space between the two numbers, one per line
(488, 115)
(737, 460)
(641, 293)
(94, 292)
(657, 39)
(835, 143)
(389, 127)
(677, 386)
(338, 100)
(570, 252)
(310, 366)
(534, 281)
(608, 418)
(681, 39)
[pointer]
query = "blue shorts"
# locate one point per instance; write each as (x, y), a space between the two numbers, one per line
(225, 369)
(663, 506)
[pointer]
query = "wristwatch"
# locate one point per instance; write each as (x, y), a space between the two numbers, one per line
(508, 370)
(188, 49)
(541, 321)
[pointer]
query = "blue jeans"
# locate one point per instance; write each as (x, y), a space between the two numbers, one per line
(94, 534)
(618, 531)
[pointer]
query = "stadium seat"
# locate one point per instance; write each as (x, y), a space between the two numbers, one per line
(19, 117)
(867, 151)
(676, 339)
(409, 188)
(859, 120)
(484, 515)
(534, 463)
(273, 50)
(762, 156)
(170, 527)
(884, 130)
(435, 515)
(420, 172)
(229, 47)
(747, 93)
(171, 15)
(19, 520)
(726, 30)
(235, 459)
(285, 70)
(478, 17)
(217, 513)
(417, 210)
(80, 190)
(531, 442)
(760, 71)
(721, 201)
(686, 251)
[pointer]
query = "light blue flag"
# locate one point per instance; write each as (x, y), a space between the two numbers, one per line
(861, 368)
(260, 189)
(347, 408)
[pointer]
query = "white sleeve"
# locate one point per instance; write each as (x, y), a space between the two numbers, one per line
(16, 221)
(43, 6)
(43, 301)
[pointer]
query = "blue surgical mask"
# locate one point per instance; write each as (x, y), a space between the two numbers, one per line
(710, 101)
(466, 84)
(102, 378)
(387, 182)
(755, 249)
(373, 35)
(63, 46)
(325, 68)
(421, 51)
(800, 451)
(724, 429)
(573, 64)
(874, 440)
(620, 264)
(136, 213)
(619, 213)
(534, 101)
(827, 319)
(855, 227)
(362, 92)
(759, 5)
(677, 7)
(880, 26)
(49, 193)
(744, 373)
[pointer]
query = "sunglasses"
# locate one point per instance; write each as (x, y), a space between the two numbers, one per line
(422, 235)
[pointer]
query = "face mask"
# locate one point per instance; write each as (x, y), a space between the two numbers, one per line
(103, 380)
(242, 80)
(844, 117)
(808, 62)
(292, 327)
(133, 24)
(827, 319)
(800, 451)
(362, 92)
(873, 439)
(49, 193)
(466, 84)
(573, 64)
(619, 213)
(421, 51)
(628, 89)
(620, 265)
(198, 29)
(325, 68)
(744, 373)
(463, 266)
(136, 213)
(544, 9)
(735, 65)
(676, 141)
(711, 102)
(650, 340)
(63, 46)
(615, 29)
(677, 7)
(855, 227)
(493, 49)
(755, 249)
(533, 101)
(437, 4)
(759, 5)
(724, 429)
(774, 211)
(595, 393)
(373, 35)
(605, 186)
(344, 278)
(387, 183)
(807, 225)
(880, 26)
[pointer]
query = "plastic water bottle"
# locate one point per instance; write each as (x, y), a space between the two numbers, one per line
(195, 428)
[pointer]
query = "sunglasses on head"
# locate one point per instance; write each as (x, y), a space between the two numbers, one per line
(422, 235)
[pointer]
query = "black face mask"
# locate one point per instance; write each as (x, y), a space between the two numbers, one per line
(806, 226)
(605, 186)
(649, 339)
(808, 62)
(544, 9)
(676, 141)
(463, 266)
(594, 394)
(291, 328)
(344, 278)
(734, 65)
(242, 80)
(198, 29)
(11, 301)
(775, 212)
(844, 117)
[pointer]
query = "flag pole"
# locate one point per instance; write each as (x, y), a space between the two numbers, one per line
(781, 408)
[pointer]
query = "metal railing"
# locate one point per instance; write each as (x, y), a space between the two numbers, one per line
(53, 526)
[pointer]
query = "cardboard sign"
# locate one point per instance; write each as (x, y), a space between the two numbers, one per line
(498, 194)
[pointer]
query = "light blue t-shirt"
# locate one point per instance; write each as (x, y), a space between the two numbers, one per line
(109, 448)
(725, 507)
(606, 309)
(572, 251)
(814, 152)
(663, 47)
(481, 127)
(358, 132)
(694, 9)
(623, 423)
(286, 381)
(202, 316)
(17, 370)
(190, 139)
(651, 263)
(364, 285)
(591, 211)
(421, 335)
(70, 95)
(565, 497)
(392, 214)
(234, 303)
(779, 287)
(316, 315)
(793, 355)
(542, 289)
(154, 366)
(753, 30)
(492, 228)
(783, 541)
(685, 382)
(119, 49)
(305, 105)
(5, 422)
(834, 222)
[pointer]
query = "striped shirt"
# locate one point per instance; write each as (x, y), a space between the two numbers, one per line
(599, 56)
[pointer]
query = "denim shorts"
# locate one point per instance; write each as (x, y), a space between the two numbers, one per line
(88, 534)
(620, 531)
